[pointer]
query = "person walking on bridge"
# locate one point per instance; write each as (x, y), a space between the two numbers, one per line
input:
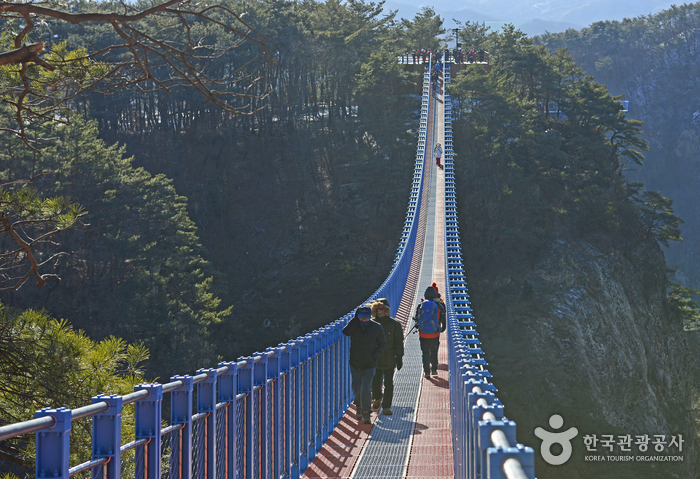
(391, 358)
(430, 320)
(438, 154)
(367, 343)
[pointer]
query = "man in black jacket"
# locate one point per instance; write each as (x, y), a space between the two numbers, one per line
(391, 359)
(367, 344)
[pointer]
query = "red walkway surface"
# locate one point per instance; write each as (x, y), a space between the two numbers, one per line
(338, 456)
(431, 450)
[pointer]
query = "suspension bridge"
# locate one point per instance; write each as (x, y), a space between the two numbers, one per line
(287, 412)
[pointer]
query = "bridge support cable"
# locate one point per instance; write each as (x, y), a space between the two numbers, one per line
(483, 439)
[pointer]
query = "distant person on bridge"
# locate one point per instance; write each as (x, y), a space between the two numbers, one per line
(430, 319)
(367, 343)
(391, 358)
(438, 154)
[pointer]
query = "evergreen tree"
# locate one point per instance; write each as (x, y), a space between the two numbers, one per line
(44, 362)
(136, 270)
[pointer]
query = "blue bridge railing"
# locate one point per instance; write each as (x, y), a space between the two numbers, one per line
(483, 439)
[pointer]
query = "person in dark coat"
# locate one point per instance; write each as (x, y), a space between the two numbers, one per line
(391, 358)
(367, 343)
(430, 342)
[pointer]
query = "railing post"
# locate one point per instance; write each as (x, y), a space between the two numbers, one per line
(260, 381)
(475, 413)
(286, 412)
(53, 445)
(107, 434)
(206, 402)
(273, 373)
(484, 430)
(181, 413)
(313, 382)
(295, 389)
(497, 458)
(245, 385)
(345, 372)
(318, 391)
(148, 419)
(334, 370)
(305, 398)
(228, 389)
(325, 387)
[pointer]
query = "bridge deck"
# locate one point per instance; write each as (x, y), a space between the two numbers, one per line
(416, 441)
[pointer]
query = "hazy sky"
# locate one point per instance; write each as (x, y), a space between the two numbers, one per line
(532, 16)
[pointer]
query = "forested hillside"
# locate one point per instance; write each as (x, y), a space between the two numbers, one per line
(652, 60)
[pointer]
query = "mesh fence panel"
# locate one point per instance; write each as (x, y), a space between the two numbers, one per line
(221, 440)
(139, 460)
(132, 463)
(284, 460)
(257, 433)
(198, 444)
(169, 453)
(240, 437)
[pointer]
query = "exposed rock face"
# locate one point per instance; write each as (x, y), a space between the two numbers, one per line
(585, 335)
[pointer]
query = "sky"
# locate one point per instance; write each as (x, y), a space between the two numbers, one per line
(533, 17)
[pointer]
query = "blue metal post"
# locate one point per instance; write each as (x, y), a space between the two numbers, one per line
(260, 381)
(53, 445)
(148, 419)
(325, 388)
(319, 387)
(295, 389)
(333, 385)
(273, 373)
(286, 412)
(313, 394)
(106, 434)
(496, 456)
(305, 398)
(483, 431)
(245, 385)
(206, 402)
(181, 413)
(345, 344)
(228, 389)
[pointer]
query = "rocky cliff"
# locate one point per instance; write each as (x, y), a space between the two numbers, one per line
(586, 334)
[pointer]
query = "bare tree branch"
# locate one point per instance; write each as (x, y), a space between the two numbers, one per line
(155, 49)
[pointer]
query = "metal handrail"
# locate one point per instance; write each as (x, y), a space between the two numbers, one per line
(87, 465)
(26, 427)
(469, 386)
